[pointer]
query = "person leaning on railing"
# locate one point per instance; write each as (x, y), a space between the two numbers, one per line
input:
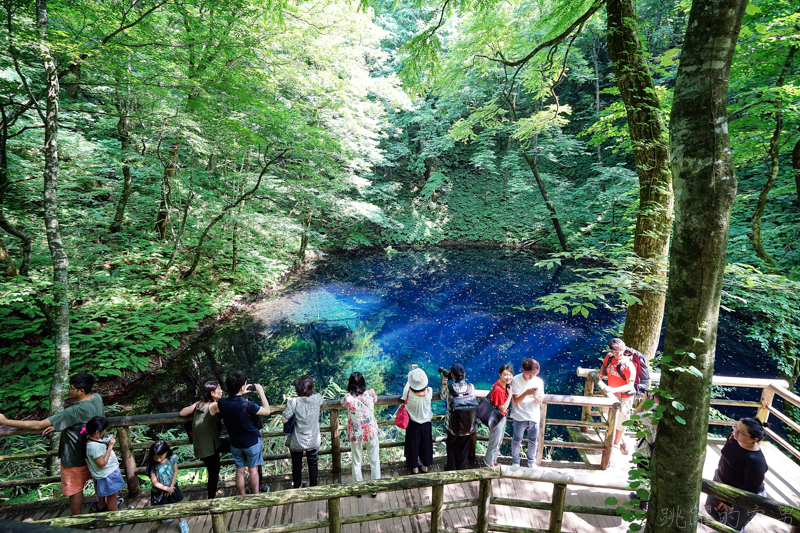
(419, 434)
(460, 423)
(306, 438)
(71, 450)
(742, 465)
(205, 432)
(362, 428)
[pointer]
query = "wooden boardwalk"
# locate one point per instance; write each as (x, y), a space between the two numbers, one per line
(783, 484)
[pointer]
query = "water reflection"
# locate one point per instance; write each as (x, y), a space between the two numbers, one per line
(377, 314)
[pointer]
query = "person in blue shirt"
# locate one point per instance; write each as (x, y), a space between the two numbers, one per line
(237, 414)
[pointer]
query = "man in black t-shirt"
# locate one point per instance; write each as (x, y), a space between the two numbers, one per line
(70, 421)
(236, 411)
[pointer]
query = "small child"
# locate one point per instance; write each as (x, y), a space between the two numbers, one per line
(103, 465)
(162, 467)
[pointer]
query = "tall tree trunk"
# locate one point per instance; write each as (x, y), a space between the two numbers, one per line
(7, 267)
(648, 138)
(705, 187)
(532, 163)
(775, 161)
(531, 159)
(162, 219)
(595, 61)
(4, 223)
(796, 169)
(123, 109)
(57, 252)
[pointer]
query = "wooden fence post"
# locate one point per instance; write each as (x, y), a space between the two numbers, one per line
(605, 460)
(586, 411)
(540, 436)
(437, 500)
(767, 394)
(219, 523)
(473, 444)
(484, 494)
(128, 460)
(336, 449)
(334, 516)
(557, 512)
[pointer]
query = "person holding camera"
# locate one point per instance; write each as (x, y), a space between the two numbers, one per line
(239, 415)
(460, 421)
(500, 398)
(527, 391)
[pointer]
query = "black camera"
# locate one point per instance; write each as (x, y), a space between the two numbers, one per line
(251, 388)
(444, 372)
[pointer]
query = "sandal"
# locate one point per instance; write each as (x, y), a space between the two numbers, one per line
(623, 448)
(97, 509)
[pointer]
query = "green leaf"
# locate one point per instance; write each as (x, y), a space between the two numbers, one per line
(612, 501)
(678, 405)
(680, 420)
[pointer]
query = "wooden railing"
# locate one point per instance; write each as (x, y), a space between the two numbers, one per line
(561, 479)
(128, 462)
(763, 408)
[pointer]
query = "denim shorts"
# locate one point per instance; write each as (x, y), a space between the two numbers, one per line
(110, 484)
(247, 457)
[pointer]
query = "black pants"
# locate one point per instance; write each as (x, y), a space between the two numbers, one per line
(212, 465)
(297, 468)
(457, 451)
(419, 444)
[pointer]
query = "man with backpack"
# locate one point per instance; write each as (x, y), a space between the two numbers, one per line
(461, 418)
(621, 373)
(527, 392)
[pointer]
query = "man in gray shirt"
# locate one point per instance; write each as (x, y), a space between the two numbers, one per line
(74, 471)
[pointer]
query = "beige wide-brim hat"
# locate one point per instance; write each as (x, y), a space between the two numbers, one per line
(417, 379)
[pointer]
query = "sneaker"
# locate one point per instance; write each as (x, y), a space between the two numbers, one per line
(265, 488)
(184, 527)
(167, 521)
(374, 494)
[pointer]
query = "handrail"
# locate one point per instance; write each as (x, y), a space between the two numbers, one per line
(131, 471)
(770, 387)
(561, 479)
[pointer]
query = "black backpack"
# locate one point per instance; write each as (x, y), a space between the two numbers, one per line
(462, 410)
(641, 381)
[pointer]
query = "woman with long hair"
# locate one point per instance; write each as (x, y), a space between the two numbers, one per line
(205, 432)
(362, 428)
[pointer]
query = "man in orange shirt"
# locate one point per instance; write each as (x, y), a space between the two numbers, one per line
(620, 372)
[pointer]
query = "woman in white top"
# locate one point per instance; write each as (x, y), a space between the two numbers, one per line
(362, 428)
(419, 438)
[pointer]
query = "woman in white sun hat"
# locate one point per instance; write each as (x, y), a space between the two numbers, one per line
(419, 439)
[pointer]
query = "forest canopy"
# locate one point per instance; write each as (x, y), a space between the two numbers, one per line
(200, 151)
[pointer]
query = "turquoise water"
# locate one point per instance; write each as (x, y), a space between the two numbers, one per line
(379, 313)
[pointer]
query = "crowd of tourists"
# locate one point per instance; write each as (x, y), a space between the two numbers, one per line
(86, 450)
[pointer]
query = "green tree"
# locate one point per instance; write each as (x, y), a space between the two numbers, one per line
(705, 188)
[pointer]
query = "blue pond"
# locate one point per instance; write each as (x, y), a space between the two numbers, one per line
(379, 313)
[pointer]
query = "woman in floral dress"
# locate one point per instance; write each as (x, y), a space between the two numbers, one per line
(362, 429)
